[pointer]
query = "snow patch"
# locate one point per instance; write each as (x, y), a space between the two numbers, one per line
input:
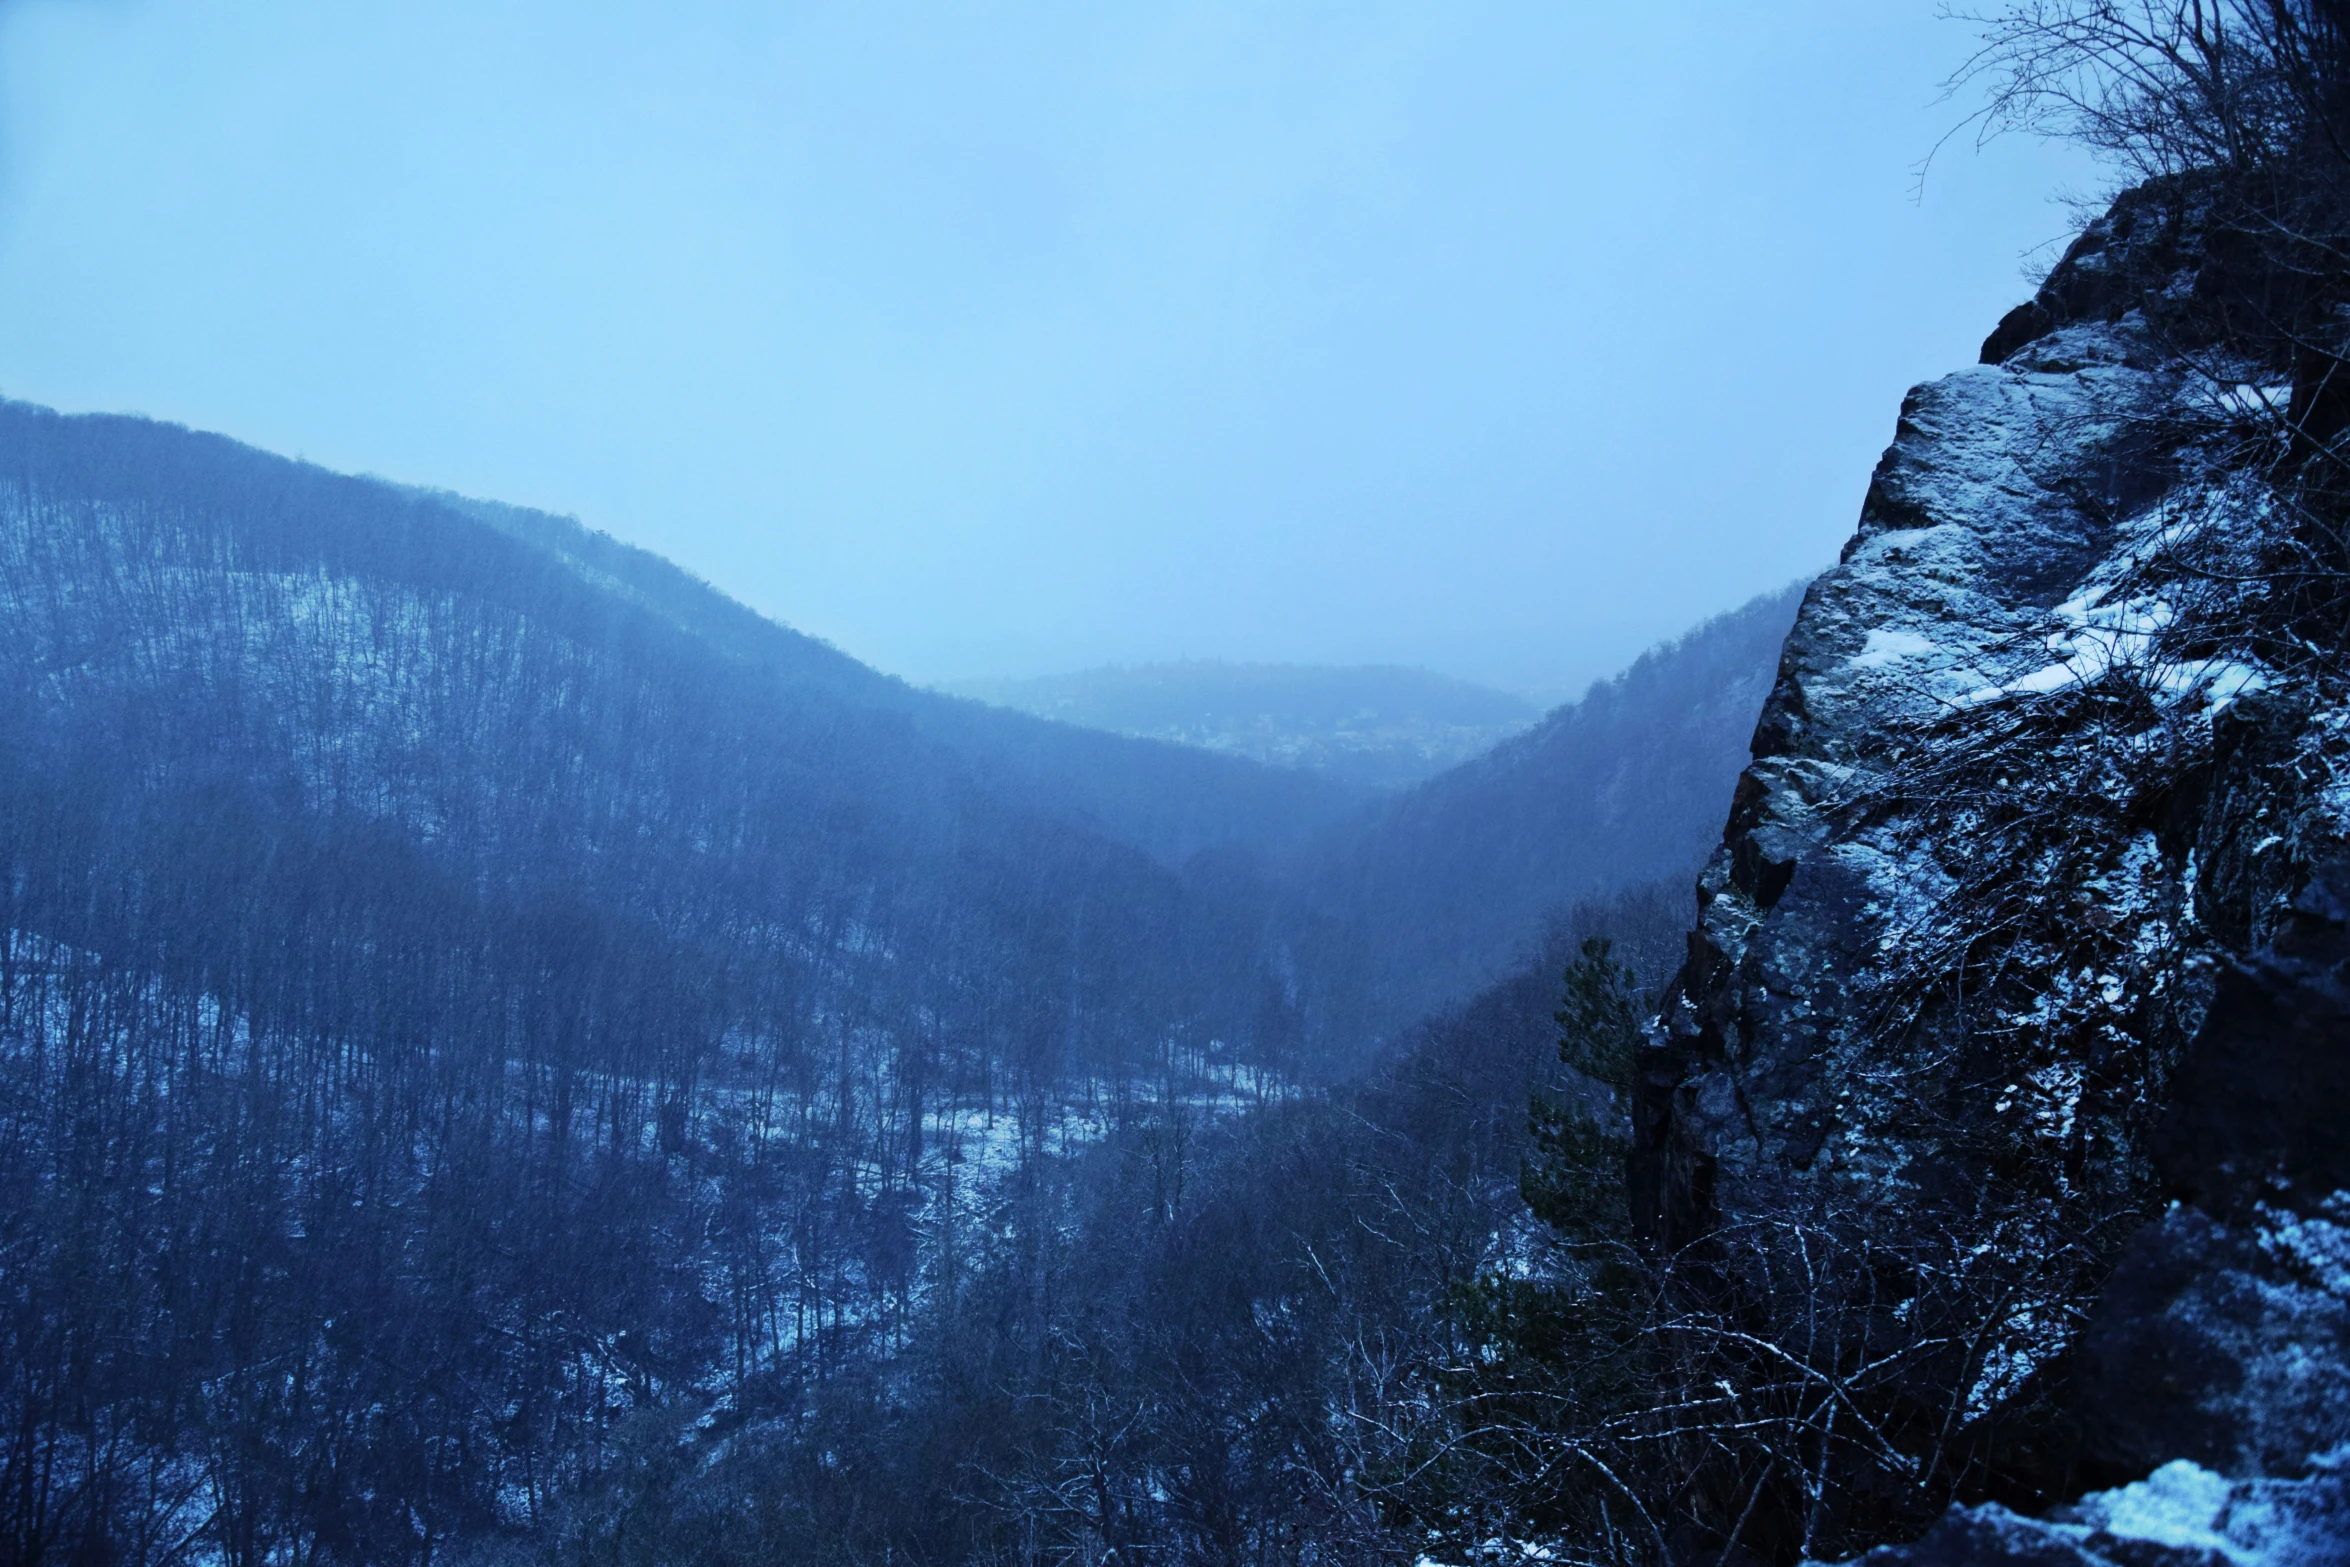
(1887, 646)
(2096, 637)
(2180, 1505)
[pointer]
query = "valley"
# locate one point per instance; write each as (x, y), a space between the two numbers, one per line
(473, 995)
(510, 1057)
(1371, 726)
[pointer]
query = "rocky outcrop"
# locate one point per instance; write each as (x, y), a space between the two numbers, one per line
(2144, 257)
(2031, 930)
(2182, 1515)
(2227, 1344)
(1969, 595)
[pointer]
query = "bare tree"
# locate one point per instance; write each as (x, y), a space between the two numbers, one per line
(2236, 114)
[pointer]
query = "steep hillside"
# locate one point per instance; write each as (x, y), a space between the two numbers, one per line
(1195, 1343)
(1375, 726)
(460, 985)
(534, 697)
(1441, 889)
(1168, 801)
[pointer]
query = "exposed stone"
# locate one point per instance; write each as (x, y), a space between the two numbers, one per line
(2227, 1344)
(2032, 917)
(2259, 1101)
(2182, 1515)
(1977, 526)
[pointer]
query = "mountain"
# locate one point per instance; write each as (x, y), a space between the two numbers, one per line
(1973, 1194)
(1443, 887)
(485, 1019)
(189, 619)
(1158, 797)
(462, 981)
(1375, 726)
(1428, 893)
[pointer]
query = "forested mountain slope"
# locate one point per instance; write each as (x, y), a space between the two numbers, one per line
(453, 994)
(1201, 1342)
(1171, 802)
(474, 1001)
(353, 653)
(1443, 887)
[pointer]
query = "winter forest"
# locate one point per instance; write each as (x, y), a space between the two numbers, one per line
(510, 1056)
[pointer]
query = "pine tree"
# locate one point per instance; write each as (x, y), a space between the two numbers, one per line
(1573, 1177)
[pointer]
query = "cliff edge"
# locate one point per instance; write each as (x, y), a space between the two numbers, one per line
(2017, 1002)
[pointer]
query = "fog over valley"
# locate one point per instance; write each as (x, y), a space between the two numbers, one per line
(1498, 340)
(1339, 785)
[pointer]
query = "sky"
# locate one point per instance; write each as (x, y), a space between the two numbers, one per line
(997, 339)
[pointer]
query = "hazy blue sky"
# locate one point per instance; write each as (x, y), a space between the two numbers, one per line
(1009, 338)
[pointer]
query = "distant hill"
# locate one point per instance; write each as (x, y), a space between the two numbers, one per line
(1440, 888)
(1377, 726)
(1168, 801)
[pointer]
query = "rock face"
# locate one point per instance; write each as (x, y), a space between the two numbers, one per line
(2031, 929)
(2224, 1344)
(1968, 601)
(2258, 1100)
(2182, 1515)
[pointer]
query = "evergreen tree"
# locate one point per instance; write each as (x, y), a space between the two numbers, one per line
(1573, 1177)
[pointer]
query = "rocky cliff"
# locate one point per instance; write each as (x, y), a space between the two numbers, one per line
(2019, 989)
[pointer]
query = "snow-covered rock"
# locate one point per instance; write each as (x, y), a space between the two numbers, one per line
(2181, 1515)
(2029, 939)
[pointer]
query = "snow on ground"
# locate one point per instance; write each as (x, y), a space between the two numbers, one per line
(2182, 1515)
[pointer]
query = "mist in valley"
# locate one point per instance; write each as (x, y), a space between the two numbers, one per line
(1070, 785)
